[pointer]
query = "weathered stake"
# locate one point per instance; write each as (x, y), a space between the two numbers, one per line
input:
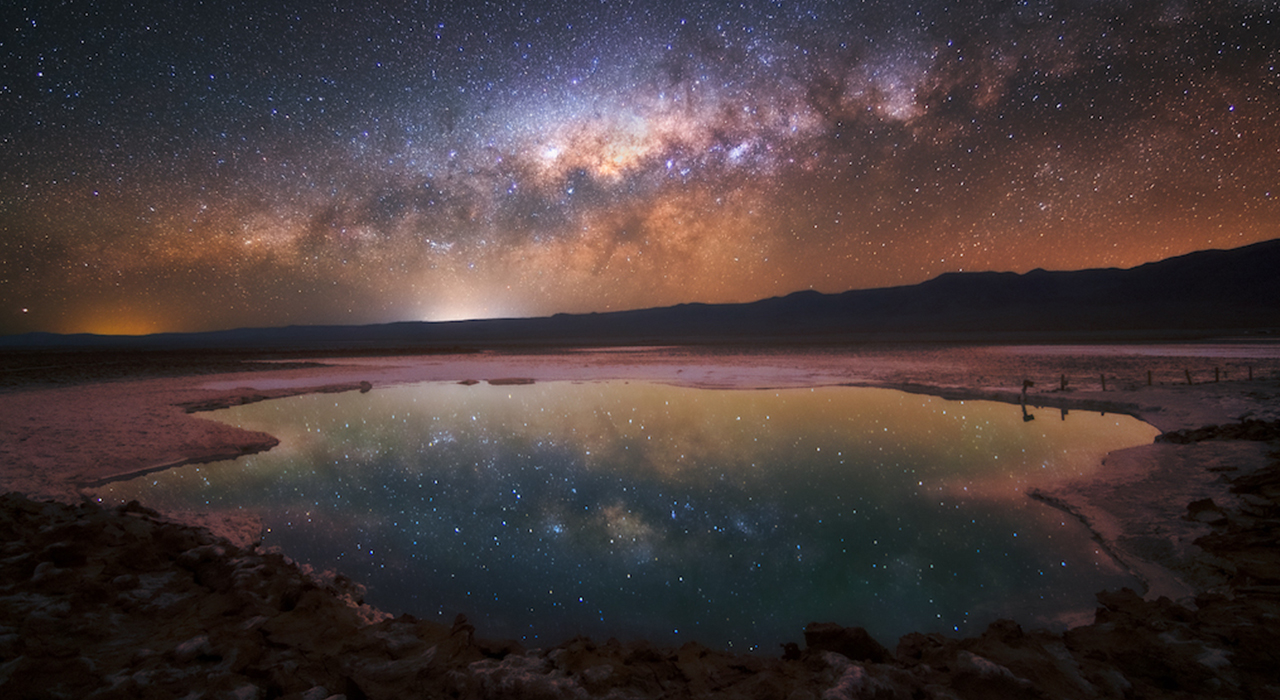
(1215, 374)
(1104, 382)
(1188, 375)
(1148, 377)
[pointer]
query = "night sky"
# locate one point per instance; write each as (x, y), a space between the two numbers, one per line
(191, 166)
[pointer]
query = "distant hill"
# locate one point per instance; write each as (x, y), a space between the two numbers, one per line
(1202, 293)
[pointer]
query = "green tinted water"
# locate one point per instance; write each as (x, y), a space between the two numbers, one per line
(732, 517)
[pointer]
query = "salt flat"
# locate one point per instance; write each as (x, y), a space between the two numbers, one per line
(1183, 514)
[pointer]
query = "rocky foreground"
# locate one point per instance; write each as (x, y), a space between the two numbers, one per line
(123, 603)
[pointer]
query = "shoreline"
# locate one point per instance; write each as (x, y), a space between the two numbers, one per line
(1181, 571)
(1166, 407)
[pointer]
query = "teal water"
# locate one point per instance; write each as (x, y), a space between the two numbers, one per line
(733, 517)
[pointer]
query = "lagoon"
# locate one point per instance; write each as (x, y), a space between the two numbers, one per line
(636, 509)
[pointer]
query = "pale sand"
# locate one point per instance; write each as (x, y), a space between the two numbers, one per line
(55, 443)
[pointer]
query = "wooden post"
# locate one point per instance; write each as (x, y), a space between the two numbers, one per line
(1104, 382)
(1215, 374)
(1064, 382)
(1188, 375)
(1148, 377)
(1250, 372)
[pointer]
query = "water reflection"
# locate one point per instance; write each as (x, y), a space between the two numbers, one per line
(633, 509)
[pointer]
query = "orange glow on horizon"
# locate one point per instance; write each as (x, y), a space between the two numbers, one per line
(118, 321)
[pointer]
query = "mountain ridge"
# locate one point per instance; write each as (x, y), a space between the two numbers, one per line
(1209, 290)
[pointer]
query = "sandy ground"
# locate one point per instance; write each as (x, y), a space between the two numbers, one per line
(57, 443)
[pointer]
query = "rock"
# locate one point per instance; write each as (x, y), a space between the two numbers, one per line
(977, 670)
(1249, 429)
(191, 649)
(855, 643)
(1205, 510)
(128, 604)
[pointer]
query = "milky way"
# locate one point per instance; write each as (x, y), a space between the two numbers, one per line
(174, 167)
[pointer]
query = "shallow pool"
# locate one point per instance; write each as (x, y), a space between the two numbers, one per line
(733, 517)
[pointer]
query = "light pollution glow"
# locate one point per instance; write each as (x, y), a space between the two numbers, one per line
(170, 168)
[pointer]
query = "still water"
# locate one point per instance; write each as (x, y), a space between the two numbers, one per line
(732, 517)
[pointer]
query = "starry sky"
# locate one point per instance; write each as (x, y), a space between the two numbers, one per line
(194, 166)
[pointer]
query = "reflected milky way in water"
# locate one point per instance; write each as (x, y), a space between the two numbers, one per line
(616, 509)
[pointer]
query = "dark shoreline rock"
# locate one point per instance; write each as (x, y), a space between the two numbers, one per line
(511, 381)
(1247, 429)
(120, 602)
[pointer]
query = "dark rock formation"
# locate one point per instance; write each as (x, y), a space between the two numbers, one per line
(1248, 429)
(120, 603)
(853, 643)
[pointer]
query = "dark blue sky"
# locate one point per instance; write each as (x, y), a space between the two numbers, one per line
(186, 166)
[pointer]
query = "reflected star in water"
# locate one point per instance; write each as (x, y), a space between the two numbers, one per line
(550, 514)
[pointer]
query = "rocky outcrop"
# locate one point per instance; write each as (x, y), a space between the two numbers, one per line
(853, 643)
(116, 603)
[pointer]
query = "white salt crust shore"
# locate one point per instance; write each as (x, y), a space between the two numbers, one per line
(59, 443)
(55, 443)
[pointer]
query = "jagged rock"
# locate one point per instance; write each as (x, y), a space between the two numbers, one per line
(854, 643)
(1205, 511)
(112, 603)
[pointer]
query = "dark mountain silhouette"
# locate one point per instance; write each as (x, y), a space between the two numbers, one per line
(1201, 293)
